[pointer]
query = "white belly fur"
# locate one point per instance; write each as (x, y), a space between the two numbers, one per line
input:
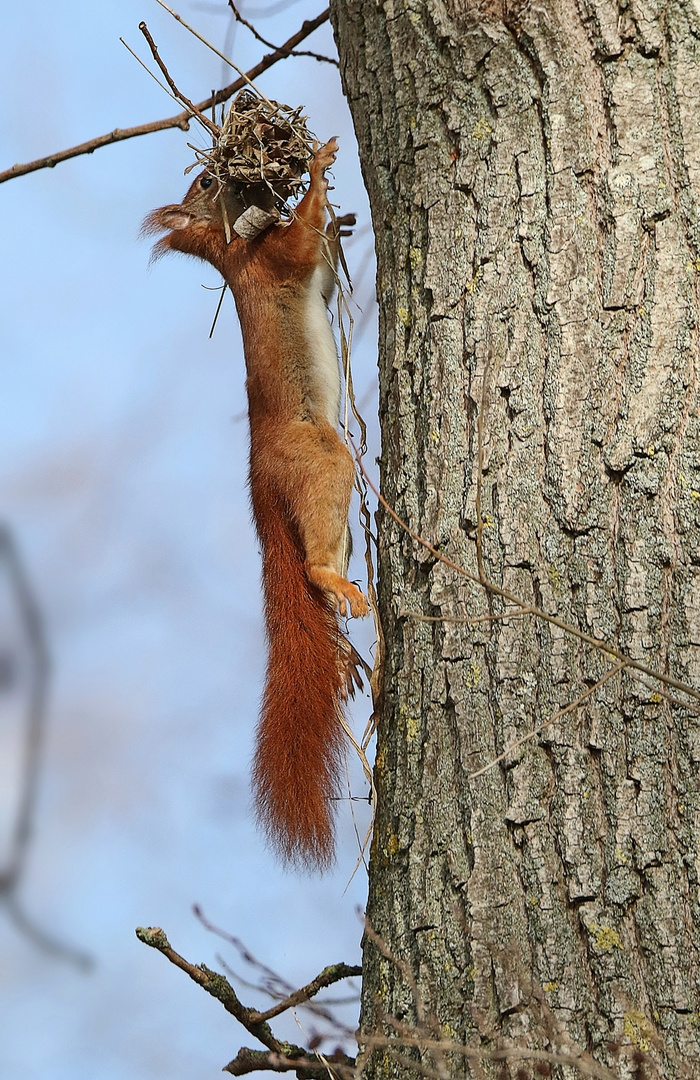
(323, 356)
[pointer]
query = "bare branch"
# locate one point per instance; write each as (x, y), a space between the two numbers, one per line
(209, 45)
(331, 974)
(204, 120)
(516, 613)
(181, 120)
(583, 1062)
(656, 689)
(275, 985)
(320, 1010)
(269, 45)
(281, 1056)
(402, 965)
(555, 716)
(212, 982)
(247, 1061)
(553, 620)
(146, 68)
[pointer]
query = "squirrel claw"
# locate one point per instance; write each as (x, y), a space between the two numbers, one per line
(324, 157)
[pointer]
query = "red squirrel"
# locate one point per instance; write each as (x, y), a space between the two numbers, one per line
(301, 479)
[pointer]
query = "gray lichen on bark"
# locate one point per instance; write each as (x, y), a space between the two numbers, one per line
(534, 175)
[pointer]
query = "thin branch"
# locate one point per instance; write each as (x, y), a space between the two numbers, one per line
(217, 986)
(269, 45)
(331, 974)
(555, 716)
(553, 620)
(283, 990)
(585, 1064)
(35, 722)
(248, 1061)
(281, 987)
(213, 48)
(212, 128)
(364, 515)
(402, 965)
(222, 294)
(319, 1010)
(664, 694)
(181, 120)
(346, 325)
(517, 613)
(148, 71)
(280, 1053)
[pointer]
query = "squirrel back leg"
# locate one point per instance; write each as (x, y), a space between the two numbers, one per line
(318, 477)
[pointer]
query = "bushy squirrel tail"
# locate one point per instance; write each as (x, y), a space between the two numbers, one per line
(311, 670)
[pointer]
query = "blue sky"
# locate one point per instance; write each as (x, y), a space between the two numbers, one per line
(122, 477)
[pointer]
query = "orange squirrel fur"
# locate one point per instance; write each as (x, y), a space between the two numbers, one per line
(301, 478)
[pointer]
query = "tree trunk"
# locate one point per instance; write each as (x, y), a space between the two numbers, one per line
(534, 176)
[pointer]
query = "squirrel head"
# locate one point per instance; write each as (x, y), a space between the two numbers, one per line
(202, 224)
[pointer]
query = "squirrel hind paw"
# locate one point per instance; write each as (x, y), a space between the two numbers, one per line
(345, 593)
(358, 603)
(350, 596)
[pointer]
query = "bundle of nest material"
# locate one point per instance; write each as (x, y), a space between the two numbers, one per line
(263, 150)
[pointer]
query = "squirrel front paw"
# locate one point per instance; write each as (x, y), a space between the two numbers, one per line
(323, 158)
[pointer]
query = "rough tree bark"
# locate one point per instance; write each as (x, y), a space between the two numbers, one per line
(534, 176)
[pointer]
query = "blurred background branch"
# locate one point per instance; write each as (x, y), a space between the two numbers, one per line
(33, 722)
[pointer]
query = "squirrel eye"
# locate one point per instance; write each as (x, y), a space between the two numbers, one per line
(206, 182)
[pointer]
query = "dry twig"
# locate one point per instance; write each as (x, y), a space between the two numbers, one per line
(277, 987)
(555, 716)
(511, 598)
(268, 44)
(346, 325)
(331, 974)
(180, 120)
(217, 52)
(193, 109)
(515, 613)
(280, 1055)
(583, 1063)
